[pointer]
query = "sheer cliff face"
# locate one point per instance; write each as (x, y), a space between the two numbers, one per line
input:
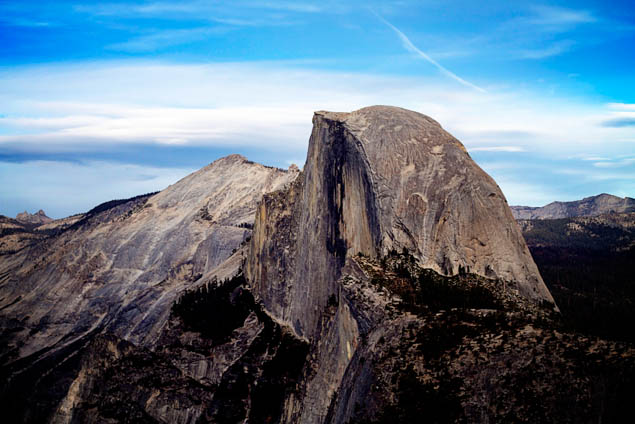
(120, 270)
(378, 179)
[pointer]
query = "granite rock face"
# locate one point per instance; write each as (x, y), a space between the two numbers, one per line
(120, 267)
(589, 206)
(378, 179)
(240, 374)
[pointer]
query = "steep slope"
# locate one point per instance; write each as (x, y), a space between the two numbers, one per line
(378, 179)
(120, 267)
(589, 206)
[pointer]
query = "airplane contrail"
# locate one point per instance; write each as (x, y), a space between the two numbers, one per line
(411, 47)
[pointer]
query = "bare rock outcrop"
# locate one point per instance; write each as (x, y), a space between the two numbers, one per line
(378, 179)
(37, 218)
(120, 268)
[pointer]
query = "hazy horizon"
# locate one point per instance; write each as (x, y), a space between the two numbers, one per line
(111, 100)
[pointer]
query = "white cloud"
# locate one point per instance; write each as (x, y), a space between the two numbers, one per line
(538, 180)
(271, 104)
(245, 126)
(541, 20)
(536, 33)
(497, 149)
(559, 17)
(553, 49)
(203, 9)
(18, 22)
(621, 106)
(69, 108)
(159, 40)
(289, 6)
(615, 164)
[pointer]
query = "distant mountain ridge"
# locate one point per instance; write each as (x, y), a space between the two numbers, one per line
(38, 218)
(16, 234)
(589, 206)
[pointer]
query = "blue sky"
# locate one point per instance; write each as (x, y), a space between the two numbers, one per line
(109, 100)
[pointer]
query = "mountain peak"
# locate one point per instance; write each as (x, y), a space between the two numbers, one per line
(378, 113)
(385, 131)
(589, 206)
(37, 218)
(233, 158)
(377, 180)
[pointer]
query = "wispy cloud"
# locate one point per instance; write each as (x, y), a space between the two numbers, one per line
(255, 22)
(540, 29)
(148, 9)
(408, 45)
(21, 22)
(615, 164)
(66, 110)
(509, 149)
(252, 14)
(537, 179)
(559, 18)
(253, 103)
(537, 33)
(549, 19)
(202, 9)
(289, 6)
(125, 124)
(621, 106)
(168, 38)
(553, 49)
(627, 121)
(622, 116)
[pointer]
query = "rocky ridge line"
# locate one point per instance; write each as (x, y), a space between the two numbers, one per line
(37, 218)
(589, 206)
